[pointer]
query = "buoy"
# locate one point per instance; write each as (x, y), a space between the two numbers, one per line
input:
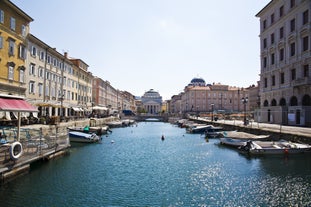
(162, 137)
(16, 150)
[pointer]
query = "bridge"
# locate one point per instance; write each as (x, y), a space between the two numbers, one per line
(151, 117)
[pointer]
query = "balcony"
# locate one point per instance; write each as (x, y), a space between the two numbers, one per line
(301, 82)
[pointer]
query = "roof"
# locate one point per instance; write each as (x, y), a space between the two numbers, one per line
(15, 104)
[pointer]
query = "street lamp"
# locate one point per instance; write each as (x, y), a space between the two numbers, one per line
(212, 111)
(244, 101)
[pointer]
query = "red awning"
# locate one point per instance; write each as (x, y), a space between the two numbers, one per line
(15, 104)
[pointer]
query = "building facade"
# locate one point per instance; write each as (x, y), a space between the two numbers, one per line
(152, 102)
(56, 84)
(199, 97)
(14, 28)
(285, 82)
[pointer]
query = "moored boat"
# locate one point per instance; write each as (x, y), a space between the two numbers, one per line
(214, 132)
(281, 147)
(75, 136)
(90, 130)
(198, 128)
(232, 142)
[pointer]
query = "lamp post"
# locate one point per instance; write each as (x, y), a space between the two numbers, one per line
(212, 111)
(244, 101)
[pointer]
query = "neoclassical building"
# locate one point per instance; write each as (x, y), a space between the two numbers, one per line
(285, 83)
(201, 97)
(152, 102)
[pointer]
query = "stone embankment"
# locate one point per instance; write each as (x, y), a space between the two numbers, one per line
(38, 142)
(276, 131)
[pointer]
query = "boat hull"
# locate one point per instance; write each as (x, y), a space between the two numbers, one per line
(232, 142)
(277, 148)
(83, 137)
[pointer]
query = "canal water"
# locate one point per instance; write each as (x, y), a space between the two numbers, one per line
(134, 167)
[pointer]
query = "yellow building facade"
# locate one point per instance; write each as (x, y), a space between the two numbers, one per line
(14, 28)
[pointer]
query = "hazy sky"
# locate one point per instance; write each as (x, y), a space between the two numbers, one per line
(139, 45)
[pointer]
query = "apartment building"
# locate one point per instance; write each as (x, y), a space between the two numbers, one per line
(285, 83)
(14, 28)
(56, 84)
(201, 97)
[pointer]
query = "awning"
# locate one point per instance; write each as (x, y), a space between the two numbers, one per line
(100, 108)
(15, 104)
(76, 109)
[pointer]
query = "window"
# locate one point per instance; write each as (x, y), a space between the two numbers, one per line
(40, 89)
(292, 49)
(1, 16)
(266, 82)
(272, 38)
(281, 54)
(306, 71)
(292, 3)
(47, 90)
(48, 59)
(305, 17)
(31, 87)
(264, 43)
(272, 59)
(11, 73)
(11, 46)
(22, 52)
(12, 23)
(282, 78)
(41, 55)
(265, 62)
(281, 32)
(1, 42)
(293, 72)
(264, 24)
(21, 76)
(292, 25)
(33, 51)
(23, 30)
(273, 80)
(305, 43)
(32, 69)
(55, 62)
(40, 72)
(281, 11)
(272, 18)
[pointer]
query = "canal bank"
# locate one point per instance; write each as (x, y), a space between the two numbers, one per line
(276, 132)
(37, 142)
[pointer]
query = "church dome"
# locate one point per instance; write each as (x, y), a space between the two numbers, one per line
(197, 82)
(152, 94)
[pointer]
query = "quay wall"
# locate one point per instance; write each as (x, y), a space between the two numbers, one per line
(62, 127)
(276, 132)
(57, 144)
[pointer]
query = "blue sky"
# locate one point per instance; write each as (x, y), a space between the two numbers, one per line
(139, 45)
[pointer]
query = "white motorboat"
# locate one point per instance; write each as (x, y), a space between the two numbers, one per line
(281, 147)
(232, 142)
(75, 136)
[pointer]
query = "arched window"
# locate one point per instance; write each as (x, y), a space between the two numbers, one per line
(265, 103)
(293, 101)
(273, 102)
(306, 100)
(282, 102)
